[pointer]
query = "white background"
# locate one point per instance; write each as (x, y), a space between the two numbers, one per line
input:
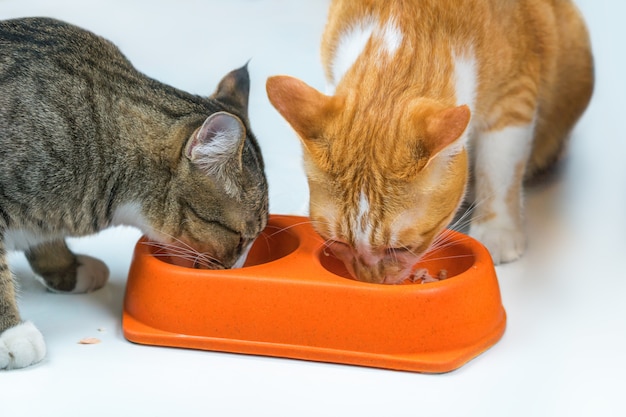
(564, 350)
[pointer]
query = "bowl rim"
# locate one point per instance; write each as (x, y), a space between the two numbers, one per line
(139, 330)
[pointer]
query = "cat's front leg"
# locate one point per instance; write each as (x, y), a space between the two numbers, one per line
(499, 163)
(21, 344)
(62, 271)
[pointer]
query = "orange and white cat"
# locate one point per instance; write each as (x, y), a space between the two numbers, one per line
(422, 96)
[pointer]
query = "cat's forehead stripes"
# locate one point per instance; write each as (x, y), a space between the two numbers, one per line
(364, 225)
(368, 222)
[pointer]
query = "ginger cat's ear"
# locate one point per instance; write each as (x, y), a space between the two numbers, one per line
(304, 108)
(445, 128)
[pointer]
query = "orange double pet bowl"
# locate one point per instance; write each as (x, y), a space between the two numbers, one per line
(292, 300)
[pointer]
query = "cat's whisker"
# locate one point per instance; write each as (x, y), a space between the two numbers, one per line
(185, 252)
(430, 258)
(266, 239)
(282, 229)
(176, 242)
(201, 259)
(168, 248)
(470, 214)
(463, 221)
(442, 241)
(326, 245)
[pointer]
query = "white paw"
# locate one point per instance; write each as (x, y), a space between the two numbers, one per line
(91, 274)
(505, 244)
(21, 346)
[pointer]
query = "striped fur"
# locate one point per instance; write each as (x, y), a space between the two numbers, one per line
(87, 142)
(421, 93)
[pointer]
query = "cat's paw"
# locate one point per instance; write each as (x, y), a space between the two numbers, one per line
(91, 274)
(505, 244)
(21, 346)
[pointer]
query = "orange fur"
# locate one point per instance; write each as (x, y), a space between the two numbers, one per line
(386, 155)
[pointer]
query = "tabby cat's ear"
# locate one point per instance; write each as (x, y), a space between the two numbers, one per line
(234, 89)
(217, 146)
(445, 130)
(304, 108)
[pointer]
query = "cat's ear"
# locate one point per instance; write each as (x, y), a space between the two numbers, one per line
(217, 146)
(304, 108)
(445, 131)
(234, 89)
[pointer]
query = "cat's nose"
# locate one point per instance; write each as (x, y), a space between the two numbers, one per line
(374, 274)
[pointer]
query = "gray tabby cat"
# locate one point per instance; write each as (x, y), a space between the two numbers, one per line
(88, 142)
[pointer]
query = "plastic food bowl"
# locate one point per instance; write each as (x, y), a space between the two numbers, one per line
(293, 300)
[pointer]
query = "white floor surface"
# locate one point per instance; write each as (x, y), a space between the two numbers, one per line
(564, 350)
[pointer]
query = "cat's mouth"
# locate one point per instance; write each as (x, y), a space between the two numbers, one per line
(389, 267)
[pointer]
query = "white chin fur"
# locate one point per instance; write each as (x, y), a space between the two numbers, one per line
(243, 257)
